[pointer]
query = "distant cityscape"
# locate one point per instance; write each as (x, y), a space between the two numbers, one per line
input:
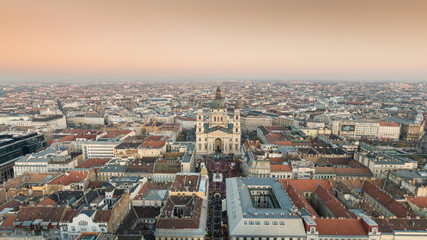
(238, 160)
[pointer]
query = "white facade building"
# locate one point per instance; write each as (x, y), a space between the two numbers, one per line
(99, 149)
(39, 162)
(259, 208)
(83, 222)
(218, 135)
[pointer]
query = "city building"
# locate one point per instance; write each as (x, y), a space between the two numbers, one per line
(39, 221)
(367, 128)
(260, 208)
(14, 146)
(51, 160)
(184, 215)
(382, 202)
(99, 149)
(218, 135)
(381, 163)
(340, 228)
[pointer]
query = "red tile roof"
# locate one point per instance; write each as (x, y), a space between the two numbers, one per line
(355, 164)
(70, 177)
(307, 185)
(47, 201)
(86, 136)
(185, 181)
(353, 171)
(93, 162)
(47, 214)
(112, 134)
(102, 216)
(190, 217)
(142, 192)
(69, 215)
(340, 227)
(8, 223)
(389, 225)
(284, 143)
(10, 204)
(155, 142)
(280, 168)
(276, 160)
(418, 201)
(333, 204)
(338, 161)
(67, 138)
(389, 124)
(185, 118)
(299, 200)
(388, 202)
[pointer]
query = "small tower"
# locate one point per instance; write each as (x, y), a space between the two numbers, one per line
(236, 118)
(236, 129)
(200, 120)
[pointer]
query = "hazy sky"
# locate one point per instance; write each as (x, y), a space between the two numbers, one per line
(213, 39)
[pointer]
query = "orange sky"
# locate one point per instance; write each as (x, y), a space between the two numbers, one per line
(218, 39)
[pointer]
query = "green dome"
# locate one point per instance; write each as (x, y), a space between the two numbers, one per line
(218, 102)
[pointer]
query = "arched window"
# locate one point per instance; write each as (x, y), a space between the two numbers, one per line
(215, 119)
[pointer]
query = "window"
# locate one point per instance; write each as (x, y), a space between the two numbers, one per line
(275, 223)
(251, 222)
(257, 223)
(266, 223)
(282, 223)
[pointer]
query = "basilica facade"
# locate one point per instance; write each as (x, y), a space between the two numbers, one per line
(218, 133)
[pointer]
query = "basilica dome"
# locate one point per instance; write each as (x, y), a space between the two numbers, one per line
(218, 102)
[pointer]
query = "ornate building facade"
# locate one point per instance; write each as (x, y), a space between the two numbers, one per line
(218, 134)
